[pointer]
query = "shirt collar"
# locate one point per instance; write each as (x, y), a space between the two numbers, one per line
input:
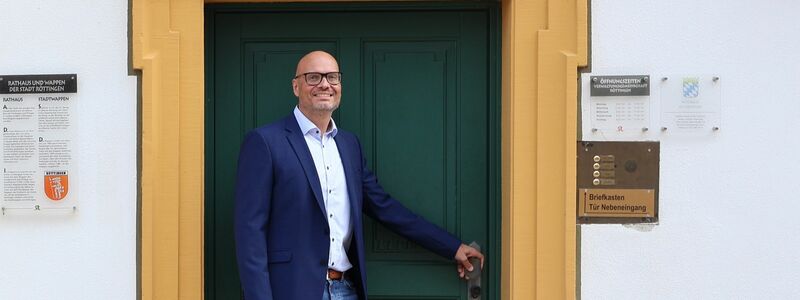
(306, 126)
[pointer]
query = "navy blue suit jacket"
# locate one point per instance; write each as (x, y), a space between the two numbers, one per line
(282, 234)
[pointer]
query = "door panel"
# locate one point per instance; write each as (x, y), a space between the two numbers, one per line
(409, 126)
(416, 92)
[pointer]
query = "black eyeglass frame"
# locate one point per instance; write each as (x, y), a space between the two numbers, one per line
(323, 75)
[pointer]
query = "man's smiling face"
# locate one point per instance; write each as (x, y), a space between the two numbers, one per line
(323, 97)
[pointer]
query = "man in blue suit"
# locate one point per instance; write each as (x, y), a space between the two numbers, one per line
(302, 185)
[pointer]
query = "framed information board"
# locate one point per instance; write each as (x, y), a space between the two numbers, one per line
(38, 140)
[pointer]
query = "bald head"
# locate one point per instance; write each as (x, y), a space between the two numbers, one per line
(319, 97)
(314, 60)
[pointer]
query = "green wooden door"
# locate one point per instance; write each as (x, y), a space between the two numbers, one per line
(419, 89)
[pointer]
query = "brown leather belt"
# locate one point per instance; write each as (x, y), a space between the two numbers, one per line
(335, 275)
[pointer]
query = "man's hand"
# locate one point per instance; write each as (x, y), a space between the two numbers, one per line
(462, 259)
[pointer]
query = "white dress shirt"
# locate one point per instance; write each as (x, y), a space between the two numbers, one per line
(334, 188)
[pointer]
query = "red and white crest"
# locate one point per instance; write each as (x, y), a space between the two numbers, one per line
(56, 184)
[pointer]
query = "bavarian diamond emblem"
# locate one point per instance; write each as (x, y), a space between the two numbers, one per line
(691, 87)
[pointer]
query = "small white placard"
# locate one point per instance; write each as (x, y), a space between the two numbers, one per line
(690, 104)
(620, 115)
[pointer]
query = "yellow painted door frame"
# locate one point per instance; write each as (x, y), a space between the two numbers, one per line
(544, 42)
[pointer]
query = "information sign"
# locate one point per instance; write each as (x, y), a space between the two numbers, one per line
(690, 105)
(619, 105)
(38, 138)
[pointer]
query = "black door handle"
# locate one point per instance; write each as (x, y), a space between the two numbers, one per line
(474, 276)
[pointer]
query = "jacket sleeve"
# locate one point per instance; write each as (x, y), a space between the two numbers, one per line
(251, 216)
(381, 206)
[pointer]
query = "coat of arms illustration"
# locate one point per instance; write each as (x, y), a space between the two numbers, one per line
(56, 184)
(691, 87)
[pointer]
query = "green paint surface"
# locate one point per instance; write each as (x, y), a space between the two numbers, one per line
(419, 89)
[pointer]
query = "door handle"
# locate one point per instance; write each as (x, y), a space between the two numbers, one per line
(474, 281)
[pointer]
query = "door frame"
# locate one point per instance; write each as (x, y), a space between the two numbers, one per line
(544, 43)
(493, 17)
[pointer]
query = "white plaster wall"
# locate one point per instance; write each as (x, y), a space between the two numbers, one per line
(728, 202)
(91, 254)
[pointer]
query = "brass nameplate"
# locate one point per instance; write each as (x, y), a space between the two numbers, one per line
(607, 174)
(616, 203)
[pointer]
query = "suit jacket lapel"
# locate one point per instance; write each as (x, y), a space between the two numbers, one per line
(300, 148)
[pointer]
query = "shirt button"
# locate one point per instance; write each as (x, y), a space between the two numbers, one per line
(331, 216)
(330, 191)
(332, 263)
(333, 240)
(328, 167)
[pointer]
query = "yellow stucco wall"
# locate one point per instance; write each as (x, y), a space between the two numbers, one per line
(544, 43)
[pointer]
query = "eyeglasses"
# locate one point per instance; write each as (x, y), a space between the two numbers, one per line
(314, 78)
